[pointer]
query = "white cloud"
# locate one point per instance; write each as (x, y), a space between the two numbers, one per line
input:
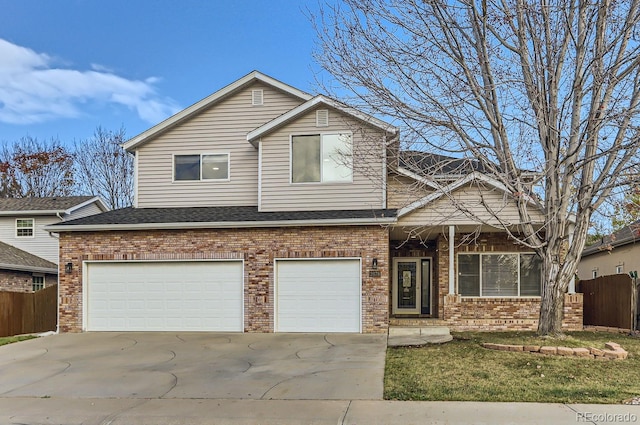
(33, 90)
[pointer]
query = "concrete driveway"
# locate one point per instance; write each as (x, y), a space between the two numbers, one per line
(195, 366)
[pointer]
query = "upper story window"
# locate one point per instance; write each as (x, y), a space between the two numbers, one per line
(620, 268)
(321, 158)
(25, 227)
(201, 167)
(499, 275)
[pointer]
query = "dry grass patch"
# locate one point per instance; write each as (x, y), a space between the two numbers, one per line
(463, 370)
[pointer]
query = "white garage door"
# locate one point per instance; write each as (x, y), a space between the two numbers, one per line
(318, 295)
(169, 296)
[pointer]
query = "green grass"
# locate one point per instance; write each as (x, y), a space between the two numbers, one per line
(463, 370)
(10, 339)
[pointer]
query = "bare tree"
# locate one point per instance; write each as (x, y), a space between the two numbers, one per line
(104, 168)
(550, 86)
(33, 168)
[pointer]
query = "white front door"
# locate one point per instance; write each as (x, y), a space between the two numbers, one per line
(411, 286)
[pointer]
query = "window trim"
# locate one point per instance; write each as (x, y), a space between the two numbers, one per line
(173, 167)
(480, 275)
(321, 134)
(33, 228)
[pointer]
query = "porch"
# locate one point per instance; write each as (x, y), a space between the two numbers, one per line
(467, 281)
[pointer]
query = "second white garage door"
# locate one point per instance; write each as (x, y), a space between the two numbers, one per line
(164, 296)
(318, 295)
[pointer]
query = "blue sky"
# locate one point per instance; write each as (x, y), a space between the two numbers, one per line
(69, 66)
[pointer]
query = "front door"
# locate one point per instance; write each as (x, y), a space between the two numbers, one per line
(412, 286)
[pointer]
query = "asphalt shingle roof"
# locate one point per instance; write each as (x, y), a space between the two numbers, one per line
(56, 203)
(627, 235)
(424, 162)
(12, 257)
(218, 215)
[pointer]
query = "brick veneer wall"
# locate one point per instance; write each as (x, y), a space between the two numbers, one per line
(257, 247)
(475, 313)
(16, 281)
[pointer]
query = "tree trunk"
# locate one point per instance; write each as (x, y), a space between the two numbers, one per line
(556, 282)
(551, 311)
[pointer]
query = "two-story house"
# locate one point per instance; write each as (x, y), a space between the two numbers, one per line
(613, 254)
(28, 252)
(262, 208)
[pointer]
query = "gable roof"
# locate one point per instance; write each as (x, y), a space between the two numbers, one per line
(252, 136)
(12, 258)
(47, 205)
(627, 235)
(210, 100)
(219, 217)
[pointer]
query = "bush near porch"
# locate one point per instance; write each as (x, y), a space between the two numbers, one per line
(463, 370)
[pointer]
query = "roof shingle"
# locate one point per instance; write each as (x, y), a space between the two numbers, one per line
(133, 216)
(13, 258)
(55, 203)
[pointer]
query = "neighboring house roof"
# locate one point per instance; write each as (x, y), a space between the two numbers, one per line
(254, 135)
(47, 205)
(627, 235)
(12, 258)
(207, 102)
(219, 217)
(432, 164)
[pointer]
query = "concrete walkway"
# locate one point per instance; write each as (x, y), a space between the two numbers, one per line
(73, 411)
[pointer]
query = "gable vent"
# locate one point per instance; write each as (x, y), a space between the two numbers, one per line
(257, 97)
(322, 118)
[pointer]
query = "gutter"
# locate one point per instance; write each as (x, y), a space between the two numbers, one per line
(217, 225)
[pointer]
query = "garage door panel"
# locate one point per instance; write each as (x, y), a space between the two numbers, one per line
(138, 296)
(318, 295)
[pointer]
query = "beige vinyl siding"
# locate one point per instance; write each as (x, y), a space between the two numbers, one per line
(605, 262)
(85, 211)
(482, 203)
(219, 129)
(364, 192)
(41, 244)
(402, 191)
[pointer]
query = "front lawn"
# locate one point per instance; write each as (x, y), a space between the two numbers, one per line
(463, 370)
(9, 339)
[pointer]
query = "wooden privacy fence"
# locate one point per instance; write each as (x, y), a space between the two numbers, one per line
(23, 313)
(609, 301)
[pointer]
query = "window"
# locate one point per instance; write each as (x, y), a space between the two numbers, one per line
(37, 282)
(201, 167)
(594, 274)
(499, 275)
(24, 227)
(620, 268)
(321, 158)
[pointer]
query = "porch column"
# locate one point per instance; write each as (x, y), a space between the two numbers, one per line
(452, 274)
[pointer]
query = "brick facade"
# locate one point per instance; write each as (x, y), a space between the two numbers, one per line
(258, 248)
(475, 313)
(18, 281)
